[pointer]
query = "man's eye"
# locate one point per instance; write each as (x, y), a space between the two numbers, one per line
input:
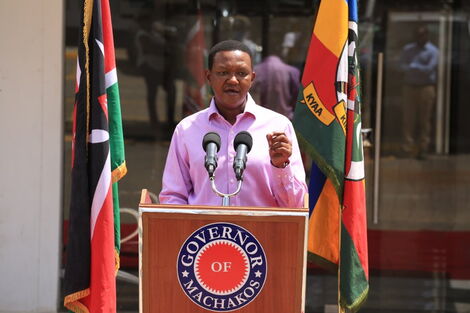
(222, 73)
(242, 74)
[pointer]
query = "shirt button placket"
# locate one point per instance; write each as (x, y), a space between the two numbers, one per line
(230, 158)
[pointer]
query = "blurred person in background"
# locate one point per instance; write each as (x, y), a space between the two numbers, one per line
(155, 62)
(418, 62)
(277, 84)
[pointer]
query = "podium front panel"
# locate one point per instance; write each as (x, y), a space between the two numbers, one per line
(166, 231)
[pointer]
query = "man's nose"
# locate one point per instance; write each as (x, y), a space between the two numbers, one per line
(232, 78)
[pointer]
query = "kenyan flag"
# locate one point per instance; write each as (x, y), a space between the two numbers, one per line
(97, 165)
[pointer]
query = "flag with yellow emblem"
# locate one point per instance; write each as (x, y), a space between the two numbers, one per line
(328, 121)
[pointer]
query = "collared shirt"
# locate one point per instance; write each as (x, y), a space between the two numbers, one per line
(276, 86)
(420, 64)
(186, 181)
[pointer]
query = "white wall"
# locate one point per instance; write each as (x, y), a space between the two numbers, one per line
(31, 67)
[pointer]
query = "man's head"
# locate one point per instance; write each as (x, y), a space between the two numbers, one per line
(241, 27)
(228, 45)
(421, 35)
(230, 75)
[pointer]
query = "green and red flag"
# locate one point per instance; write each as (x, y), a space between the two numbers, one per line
(195, 55)
(97, 164)
(116, 137)
(328, 121)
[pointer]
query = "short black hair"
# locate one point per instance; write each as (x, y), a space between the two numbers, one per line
(228, 45)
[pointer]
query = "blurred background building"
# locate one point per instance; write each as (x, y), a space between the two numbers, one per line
(418, 197)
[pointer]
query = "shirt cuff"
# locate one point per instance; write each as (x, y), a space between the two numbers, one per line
(284, 175)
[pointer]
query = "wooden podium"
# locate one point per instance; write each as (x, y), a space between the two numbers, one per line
(203, 259)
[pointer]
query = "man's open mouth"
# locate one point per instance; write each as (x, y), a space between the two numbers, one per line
(232, 91)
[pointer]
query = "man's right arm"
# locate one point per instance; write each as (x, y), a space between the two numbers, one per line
(404, 60)
(176, 182)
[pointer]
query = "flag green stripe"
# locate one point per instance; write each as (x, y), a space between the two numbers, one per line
(325, 144)
(117, 218)
(116, 143)
(322, 164)
(115, 127)
(354, 285)
(322, 262)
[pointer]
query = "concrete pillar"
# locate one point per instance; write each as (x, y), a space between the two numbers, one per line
(31, 161)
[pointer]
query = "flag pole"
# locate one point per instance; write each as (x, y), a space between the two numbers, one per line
(338, 276)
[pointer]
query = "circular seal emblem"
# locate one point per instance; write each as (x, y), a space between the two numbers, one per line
(221, 267)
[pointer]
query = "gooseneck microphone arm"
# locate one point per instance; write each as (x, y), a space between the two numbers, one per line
(225, 196)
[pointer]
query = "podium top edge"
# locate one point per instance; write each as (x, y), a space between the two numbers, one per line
(220, 208)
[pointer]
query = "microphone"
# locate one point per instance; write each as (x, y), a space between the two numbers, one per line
(242, 144)
(211, 144)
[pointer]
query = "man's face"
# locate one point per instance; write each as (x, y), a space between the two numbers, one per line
(422, 36)
(231, 77)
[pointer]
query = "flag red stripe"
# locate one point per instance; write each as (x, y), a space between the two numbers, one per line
(102, 283)
(354, 219)
(195, 53)
(320, 68)
(108, 41)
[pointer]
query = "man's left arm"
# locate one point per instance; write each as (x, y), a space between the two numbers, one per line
(288, 173)
(430, 64)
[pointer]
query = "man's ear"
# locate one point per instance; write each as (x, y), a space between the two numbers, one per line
(253, 75)
(208, 75)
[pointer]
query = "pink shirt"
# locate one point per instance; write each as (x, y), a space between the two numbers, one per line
(185, 179)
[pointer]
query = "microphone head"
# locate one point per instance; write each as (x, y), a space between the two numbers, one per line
(211, 137)
(245, 138)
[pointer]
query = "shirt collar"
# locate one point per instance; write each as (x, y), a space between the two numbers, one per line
(251, 108)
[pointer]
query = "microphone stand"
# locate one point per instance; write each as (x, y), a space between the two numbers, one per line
(225, 196)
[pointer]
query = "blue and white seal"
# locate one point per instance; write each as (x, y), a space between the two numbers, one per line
(221, 267)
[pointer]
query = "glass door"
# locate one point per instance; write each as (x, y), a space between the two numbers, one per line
(418, 201)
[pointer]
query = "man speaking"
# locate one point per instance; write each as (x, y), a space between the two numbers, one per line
(274, 175)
